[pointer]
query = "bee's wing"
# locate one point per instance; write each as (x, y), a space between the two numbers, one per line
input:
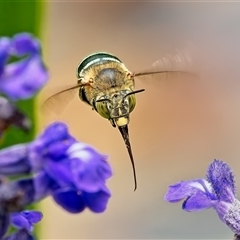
(156, 78)
(175, 66)
(147, 76)
(57, 102)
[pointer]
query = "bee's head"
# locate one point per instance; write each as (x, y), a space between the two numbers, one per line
(116, 106)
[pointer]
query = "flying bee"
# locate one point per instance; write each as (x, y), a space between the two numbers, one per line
(105, 84)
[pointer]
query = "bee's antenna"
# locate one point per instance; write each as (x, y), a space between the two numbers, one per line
(134, 92)
(124, 132)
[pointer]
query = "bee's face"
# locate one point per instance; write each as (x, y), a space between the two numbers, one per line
(116, 105)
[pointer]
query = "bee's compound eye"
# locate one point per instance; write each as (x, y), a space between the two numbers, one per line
(102, 109)
(132, 102)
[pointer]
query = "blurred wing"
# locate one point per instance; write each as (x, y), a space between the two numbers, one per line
(152, 77)
(178, 65)
(57, 102)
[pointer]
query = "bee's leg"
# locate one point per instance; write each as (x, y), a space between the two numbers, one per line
(112, 122)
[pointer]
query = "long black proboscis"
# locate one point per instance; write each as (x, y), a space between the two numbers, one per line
(124, 132)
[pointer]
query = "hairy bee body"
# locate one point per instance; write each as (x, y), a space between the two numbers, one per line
(106, 84)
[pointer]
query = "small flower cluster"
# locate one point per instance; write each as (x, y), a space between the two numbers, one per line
(54, 164)
(73, 173)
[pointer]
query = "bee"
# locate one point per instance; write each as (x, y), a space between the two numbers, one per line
(107, 86)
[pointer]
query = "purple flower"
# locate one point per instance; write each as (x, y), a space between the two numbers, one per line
(26, 219)
(217, 191)
(21, 234)
(76, 201)
(23, 78)
(14, 196)
(73, 172)
(4, 223)
(24, 222)
(10, 115)
(17, 194)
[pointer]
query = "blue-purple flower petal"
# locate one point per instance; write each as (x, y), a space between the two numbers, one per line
(198, 202)
(23, 78)
(26, 219)
(58, 151)
(53, 133)
(33, 217)
(5, 44)
(52, 143)
(24, 43)
(185, 189)
(60, 172)
(19, 221)
(14, 160)
(97, 201)
(76, 201)
(43, 185)
(89, 168)
(220, 175)
(70, 200)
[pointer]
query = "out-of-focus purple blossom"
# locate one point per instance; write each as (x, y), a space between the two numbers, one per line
(24, 222)
(76, 201)
(10, 115)
(217, 191)
(24, 78)
(14, 196)
(26, 219)
(17, 194)
(73, 172)
(21, 234)
(4, 222)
